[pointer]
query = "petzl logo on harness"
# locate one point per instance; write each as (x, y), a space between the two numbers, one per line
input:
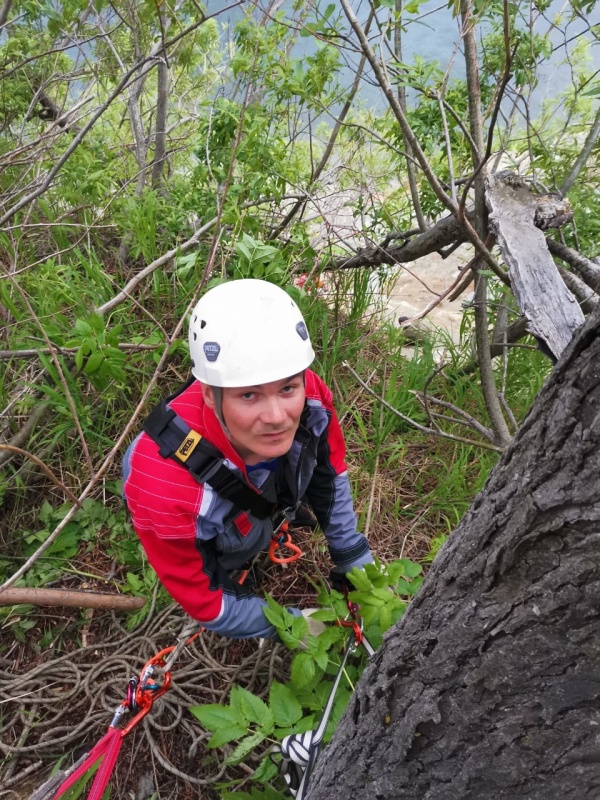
(186, 448)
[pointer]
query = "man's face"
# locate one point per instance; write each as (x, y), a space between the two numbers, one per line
(262, 420)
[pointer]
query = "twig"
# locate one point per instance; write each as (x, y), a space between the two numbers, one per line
(484, 360)
(467, 419)
(46, 470)
(583, 156)
(6, 355)
(417, 425)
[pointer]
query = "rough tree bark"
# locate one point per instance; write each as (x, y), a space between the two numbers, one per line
(489, 687)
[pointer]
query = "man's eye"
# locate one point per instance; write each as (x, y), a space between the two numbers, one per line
(248, 395)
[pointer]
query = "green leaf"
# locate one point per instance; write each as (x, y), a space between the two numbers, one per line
(291, 642)
(275, 613)
(83, 327)
(303, 669)
(593, 92)
(79, 358)
(325, 615)
(411, 569)
(93, 362)
(227, 734)
(283, 703)
(360, 580)
(254, 709)
(385, 618)
(265, 771)
(246, 746)
(299, 628)
(383, 594)
(97, 322)
(214, 716)
(321, 658)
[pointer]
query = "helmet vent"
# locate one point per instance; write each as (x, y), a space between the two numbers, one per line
(203, 323)
(195, 335)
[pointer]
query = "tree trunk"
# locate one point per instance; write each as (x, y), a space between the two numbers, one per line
(489, 687)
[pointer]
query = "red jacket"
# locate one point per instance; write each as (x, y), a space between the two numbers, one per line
(188, 531)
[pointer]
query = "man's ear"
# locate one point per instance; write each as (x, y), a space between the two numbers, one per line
(209, 395)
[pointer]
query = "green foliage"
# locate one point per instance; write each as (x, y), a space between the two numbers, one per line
(382, 592)
(259, 260)
(94, 520)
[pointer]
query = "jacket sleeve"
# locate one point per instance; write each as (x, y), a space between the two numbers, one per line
(179, 564)
(186, 566)
(331, 499)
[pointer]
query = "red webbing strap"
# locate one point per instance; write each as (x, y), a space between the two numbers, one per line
(109, 747)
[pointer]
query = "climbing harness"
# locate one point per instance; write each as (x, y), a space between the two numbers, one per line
(300, 751)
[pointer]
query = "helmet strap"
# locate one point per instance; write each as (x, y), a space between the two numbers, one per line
(218, 395)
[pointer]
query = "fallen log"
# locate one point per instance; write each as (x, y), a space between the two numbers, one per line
(69, 598)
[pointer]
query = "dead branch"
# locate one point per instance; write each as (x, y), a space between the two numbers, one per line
(588, 299)
(533, 273)
(444, 233)
(587, 269)
(69, 598)
(462, 417)
(22, 435)
(6, 355)
(410, 169)
(4, 12)
(484, 360)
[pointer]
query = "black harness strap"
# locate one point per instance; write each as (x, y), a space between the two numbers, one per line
(176, 440)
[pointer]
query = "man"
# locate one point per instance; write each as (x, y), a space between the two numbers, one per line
(232, 454)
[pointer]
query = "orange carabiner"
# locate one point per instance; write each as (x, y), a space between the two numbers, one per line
(145, 693)
(283, 539)
(352, 623)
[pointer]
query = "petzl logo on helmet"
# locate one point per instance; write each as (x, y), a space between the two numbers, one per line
(302, 332)
(211, 350)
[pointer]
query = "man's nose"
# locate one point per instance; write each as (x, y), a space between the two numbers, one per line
(273, 411)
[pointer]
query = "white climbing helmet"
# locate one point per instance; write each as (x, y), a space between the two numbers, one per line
(247, 332)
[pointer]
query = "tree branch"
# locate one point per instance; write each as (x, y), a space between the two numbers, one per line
(589, 271)
(410, 170)
(583, 156)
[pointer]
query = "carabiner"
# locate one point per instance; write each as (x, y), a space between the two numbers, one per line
(283, 540)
